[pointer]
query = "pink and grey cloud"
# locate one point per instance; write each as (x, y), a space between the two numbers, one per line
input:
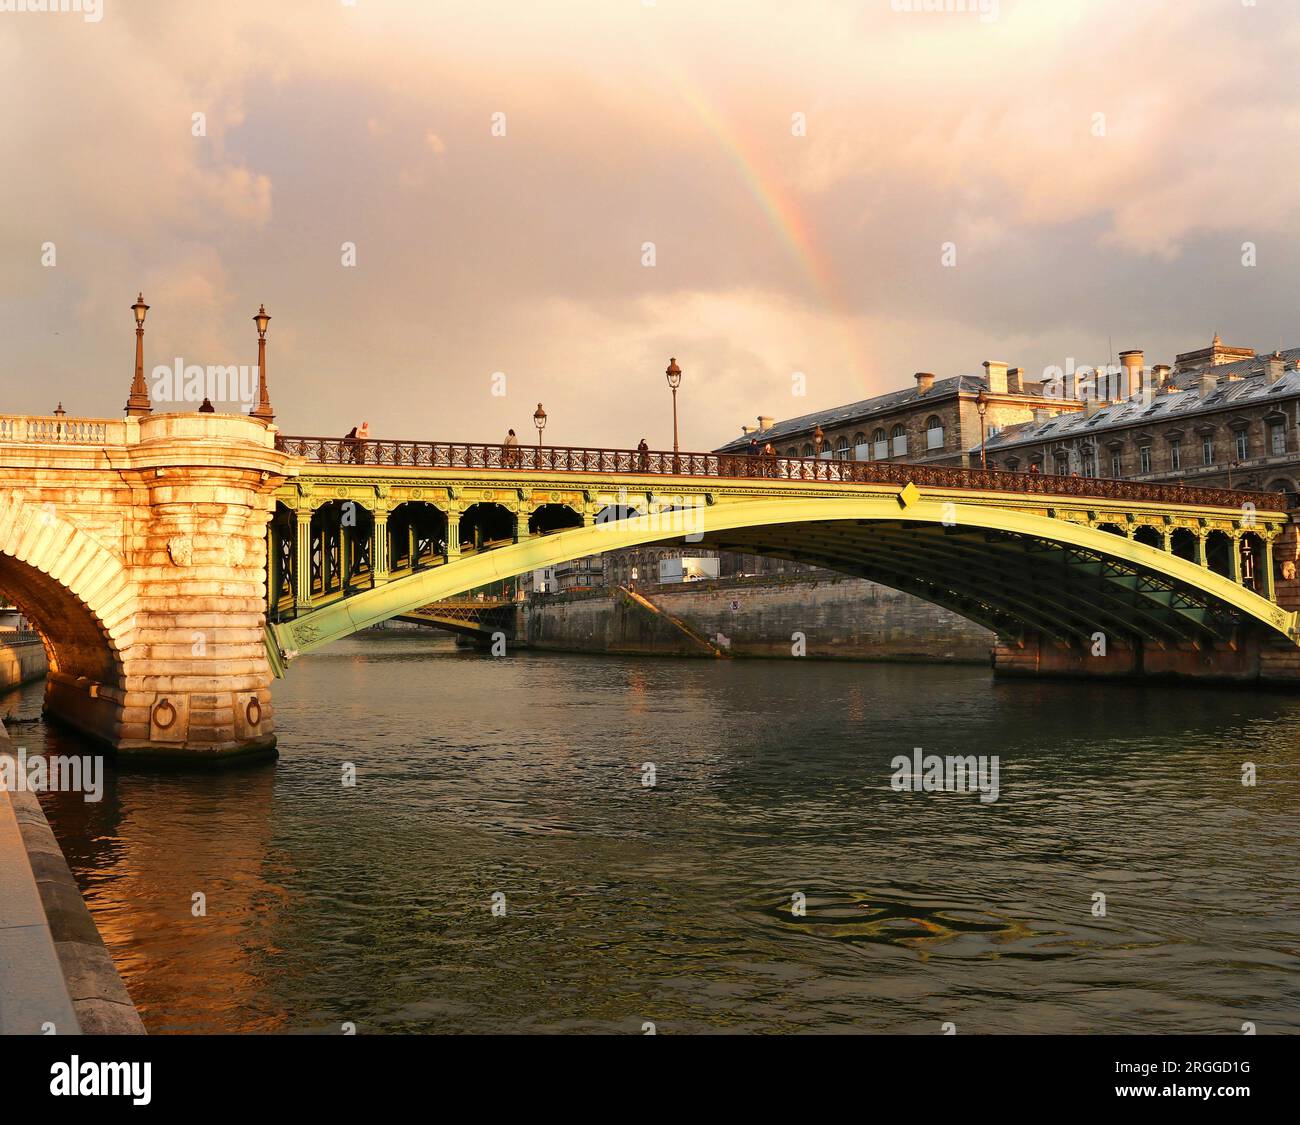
(629, 123)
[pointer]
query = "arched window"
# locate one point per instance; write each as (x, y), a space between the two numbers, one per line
(792, 452)
(1287, 488)
(934, 432)
(841, 448)
(859, 440)
(879, 446)
(898, 444)
(808, 449)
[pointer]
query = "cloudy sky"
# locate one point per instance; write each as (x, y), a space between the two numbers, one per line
(798, 167)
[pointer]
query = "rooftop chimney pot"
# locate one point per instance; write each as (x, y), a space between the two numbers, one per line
(995, 376)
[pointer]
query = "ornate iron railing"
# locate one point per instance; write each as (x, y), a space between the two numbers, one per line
(554, 458)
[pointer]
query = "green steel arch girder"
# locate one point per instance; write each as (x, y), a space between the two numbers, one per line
(1037, 596)
(1160, 577)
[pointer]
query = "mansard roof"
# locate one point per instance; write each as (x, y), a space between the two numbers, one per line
(868, 409)
(1246, 385)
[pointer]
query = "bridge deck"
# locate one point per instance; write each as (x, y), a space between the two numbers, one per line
(546, 459)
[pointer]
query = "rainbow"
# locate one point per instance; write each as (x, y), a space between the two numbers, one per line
(783, 213)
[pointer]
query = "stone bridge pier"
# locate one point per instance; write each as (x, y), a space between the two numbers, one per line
(137, 549)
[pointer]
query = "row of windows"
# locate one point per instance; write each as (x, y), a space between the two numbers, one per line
(880, 446)
(1241, 448)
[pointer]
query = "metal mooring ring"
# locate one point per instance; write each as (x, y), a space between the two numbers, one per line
(164, 706)
(253, 712)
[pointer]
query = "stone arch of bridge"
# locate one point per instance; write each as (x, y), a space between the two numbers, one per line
(77, 595)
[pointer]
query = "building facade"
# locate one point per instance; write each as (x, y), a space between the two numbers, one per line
(642, 564)
(576, 574)
(1220, 417)
(933, 422)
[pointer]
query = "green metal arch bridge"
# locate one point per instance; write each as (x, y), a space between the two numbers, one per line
(373, 530)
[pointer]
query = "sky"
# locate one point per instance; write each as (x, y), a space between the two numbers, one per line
(804, 203)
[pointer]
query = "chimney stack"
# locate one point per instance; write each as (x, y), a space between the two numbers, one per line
(764, 423)
(1160, 376)
(924, 381)
(995, 376)
(747, 430)
(1206, 384)
(1274, 368)
(1133, 361)
(1041, 414)
(1016, 380)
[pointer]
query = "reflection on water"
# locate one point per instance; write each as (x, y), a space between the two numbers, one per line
(674, 903)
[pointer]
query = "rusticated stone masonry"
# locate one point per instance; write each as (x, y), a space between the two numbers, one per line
(141, 562)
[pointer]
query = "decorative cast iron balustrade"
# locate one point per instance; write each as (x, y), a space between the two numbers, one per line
(554, 458)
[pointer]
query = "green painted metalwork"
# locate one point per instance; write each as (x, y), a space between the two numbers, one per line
(1006, 559)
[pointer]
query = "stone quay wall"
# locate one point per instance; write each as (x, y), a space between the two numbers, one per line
(838, 618)
(22, 660)
(56, 975)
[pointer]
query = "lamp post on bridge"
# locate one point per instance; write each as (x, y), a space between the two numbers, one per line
(137, 403)
(674, 375)
(539, 420)
(263, 409)
(982, 406)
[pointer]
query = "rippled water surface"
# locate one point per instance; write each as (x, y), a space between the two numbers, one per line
(523, 775)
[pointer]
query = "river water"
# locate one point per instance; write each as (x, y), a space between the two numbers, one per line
(522, 777)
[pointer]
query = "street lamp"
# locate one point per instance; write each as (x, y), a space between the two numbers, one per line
(982, 405)
(137, 403)
(263, 409)
(674, 374)
(539, 420)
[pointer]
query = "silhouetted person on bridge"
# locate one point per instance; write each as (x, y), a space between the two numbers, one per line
(511, 444)
(350, 445)
(643, 456)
